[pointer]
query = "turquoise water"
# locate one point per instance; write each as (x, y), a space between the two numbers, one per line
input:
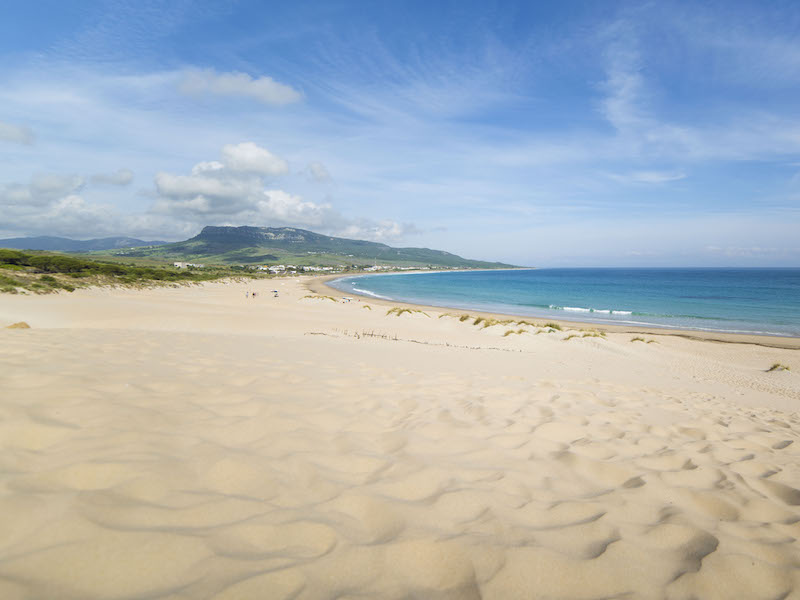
(759, 301)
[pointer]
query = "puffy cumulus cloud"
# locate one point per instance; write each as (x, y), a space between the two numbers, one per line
(317, 172)
(119, 177)
(16, 133)
(207, 167)
(250, 158)
(51, 204)
(69, 215)
(262, 89)
(42, 190)
(220, 197)
(225, 190)
(233, 191)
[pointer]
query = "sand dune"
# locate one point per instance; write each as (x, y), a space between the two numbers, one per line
(195, 443)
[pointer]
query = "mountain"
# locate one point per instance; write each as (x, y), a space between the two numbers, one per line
(298, 246)
(59, 244)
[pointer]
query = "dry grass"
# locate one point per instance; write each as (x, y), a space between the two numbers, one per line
(397, 311)
(514, 332)
(319, 297)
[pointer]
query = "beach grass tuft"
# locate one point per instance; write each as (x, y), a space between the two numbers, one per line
(513, 332)
(319, 297)
(594, 334)
(555, 326)
(638, 339)
(397, 311)
(367, 306)
(778, 367)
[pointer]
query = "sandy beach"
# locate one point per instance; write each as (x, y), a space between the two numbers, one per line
(197, 442)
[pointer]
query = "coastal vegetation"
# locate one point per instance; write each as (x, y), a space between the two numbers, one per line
(42, 273)
(486, 322)
(397, 311)
(778, 367)
(319, 297)
(514, 332)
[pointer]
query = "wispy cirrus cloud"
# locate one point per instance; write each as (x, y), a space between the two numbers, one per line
(647, 177)
(18, 134)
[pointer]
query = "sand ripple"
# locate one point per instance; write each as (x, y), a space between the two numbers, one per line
(171, 465)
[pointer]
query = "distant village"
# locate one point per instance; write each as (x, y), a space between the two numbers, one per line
(293, 270)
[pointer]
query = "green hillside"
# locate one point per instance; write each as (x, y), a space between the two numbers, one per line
(259, 245)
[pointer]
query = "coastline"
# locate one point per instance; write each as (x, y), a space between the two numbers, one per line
(770, 341)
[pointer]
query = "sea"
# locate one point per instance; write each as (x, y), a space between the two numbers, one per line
(761, 301)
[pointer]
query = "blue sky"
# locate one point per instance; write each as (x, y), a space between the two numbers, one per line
(546, 134)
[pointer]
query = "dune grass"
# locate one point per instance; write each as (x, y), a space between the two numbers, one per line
(514, 332)
(44, 273)
(319, 297)
(778, 367)
(397, 311)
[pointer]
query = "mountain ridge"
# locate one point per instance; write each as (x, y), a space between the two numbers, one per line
(255, 245)
(221, 240)
(62, 244)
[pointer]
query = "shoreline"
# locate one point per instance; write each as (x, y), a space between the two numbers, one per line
(768, 341)
(219, 440)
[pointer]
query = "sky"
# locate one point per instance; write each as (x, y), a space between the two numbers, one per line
(537, 133)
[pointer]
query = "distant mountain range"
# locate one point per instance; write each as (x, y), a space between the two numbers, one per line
(60, 244)
(258, 245)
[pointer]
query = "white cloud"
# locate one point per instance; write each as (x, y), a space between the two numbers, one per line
(318, 172)
(119, 177)
(233, 192)
(16, 133)
(43, 189)
(647, 177)
(248, 157)
(263, 89)
(201, 184)
(382, 231)
(207, 167)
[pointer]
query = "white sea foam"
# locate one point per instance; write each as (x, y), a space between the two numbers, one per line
(603, 311)
(368, 293)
